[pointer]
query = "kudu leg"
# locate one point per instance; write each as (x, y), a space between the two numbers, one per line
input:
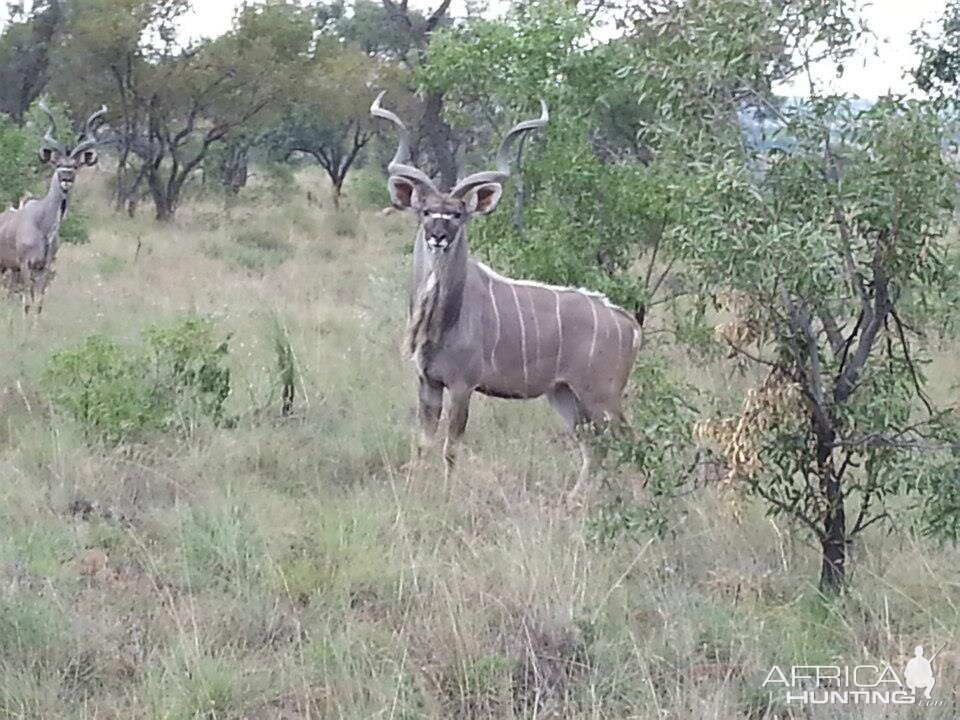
(42, 283)
(459, 412)
(26, 290)
(563, 400)
(584, 420)
(429, 407)
(601, 415)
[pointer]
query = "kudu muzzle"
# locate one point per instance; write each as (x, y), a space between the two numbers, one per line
(441, 230)
(66, 177)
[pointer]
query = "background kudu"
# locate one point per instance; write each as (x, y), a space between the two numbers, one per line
(471, 329)
(29, 234)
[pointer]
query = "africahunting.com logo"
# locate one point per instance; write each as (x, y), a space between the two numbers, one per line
(856, 684)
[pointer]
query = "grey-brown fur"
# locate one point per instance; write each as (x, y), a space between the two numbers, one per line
(472, 330)
(29, 234)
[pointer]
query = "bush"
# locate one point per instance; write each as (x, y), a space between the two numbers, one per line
(369, 187)
(17, 160)
(279, 179)
(171, 383)
(189, 378)
(75, 228)
(255, 248)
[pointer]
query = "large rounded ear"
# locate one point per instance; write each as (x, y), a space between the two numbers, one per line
(483, 200)
(46, 155)
(404, 193)
(89, 158)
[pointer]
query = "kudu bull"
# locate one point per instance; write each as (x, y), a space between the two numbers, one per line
(471, 329)
(29, 234)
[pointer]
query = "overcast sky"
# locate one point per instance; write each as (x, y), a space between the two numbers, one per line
(877, 68)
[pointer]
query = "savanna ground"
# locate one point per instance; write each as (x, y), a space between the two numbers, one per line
(301, 568)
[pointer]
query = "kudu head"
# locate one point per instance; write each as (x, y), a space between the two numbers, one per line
(67, 160)
(443, 216)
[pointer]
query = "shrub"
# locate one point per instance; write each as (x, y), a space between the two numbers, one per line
(369, 188)
(190, 379)
(171, 383)
(279, 179)
(101, 386)
(75, 228)
(17, 160)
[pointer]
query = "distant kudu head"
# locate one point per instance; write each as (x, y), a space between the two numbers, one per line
(444, 215)
(67, 160)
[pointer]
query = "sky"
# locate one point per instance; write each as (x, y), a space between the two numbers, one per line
(878, 66)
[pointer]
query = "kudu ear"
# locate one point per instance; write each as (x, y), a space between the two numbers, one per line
(89, 158)
(404, 194)
(483, 200)
(46, 155)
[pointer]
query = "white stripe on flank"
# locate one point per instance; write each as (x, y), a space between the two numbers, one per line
(536, 324)
(593, 340)
(556, 372)
(523, 334)
(619, 330)
(496, 315)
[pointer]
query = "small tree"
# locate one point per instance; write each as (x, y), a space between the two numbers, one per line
(838, 267)
(829, 250)
(25, 50)
(175, 103)
(399, 34)
(18, 160)
(330, 118)
(579, 217)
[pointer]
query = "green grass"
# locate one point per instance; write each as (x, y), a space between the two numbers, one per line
(300, 567)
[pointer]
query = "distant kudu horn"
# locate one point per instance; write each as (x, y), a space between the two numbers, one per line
(88, 137)
(50, 141)
(503, 156)
(398, 165)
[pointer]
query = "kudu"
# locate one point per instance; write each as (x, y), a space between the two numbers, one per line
(29, 234)
(471, 329)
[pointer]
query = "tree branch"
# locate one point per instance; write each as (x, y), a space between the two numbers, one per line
(801, 325)
(874, 315)
(790, 510)
(436, 16)
(910, 365)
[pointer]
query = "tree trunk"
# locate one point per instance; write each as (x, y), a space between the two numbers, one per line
(337, 193)
(164, 211)
(234, 171)
(439, 138)
(120, 195)
(833, 542)
(162, 202)
(289, 392)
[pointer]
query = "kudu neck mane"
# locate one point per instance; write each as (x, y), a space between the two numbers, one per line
(56, 201)
(438, 294)
(56, 196)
